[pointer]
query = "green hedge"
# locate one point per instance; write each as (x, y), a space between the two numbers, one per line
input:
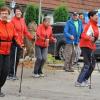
(61, 14)
(31, 13)
(2, 3)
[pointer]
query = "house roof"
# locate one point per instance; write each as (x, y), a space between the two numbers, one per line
(73, 5)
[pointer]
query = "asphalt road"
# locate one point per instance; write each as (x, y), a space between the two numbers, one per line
(56, 85)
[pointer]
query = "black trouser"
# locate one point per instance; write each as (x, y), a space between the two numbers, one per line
(4, 68)
(14, 59)
(89, 64)
(41, 56)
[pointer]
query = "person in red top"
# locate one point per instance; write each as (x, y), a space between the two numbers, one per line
(88, 46)
(44, 36)
(20, 27)
(81, 17)
(7, 34)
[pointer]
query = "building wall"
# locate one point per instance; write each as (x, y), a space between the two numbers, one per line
(73, 5)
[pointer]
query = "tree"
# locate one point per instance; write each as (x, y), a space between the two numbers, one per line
(61, 14)
(31, 13)
(2, 3)
(31, 18)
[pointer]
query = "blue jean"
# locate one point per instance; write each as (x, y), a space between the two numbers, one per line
(41, 56)
(89, 64)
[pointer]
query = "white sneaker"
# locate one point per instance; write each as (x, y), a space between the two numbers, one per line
(77, 84)
(15, 78)
(42, 75)
(36, 75)
(84, 84)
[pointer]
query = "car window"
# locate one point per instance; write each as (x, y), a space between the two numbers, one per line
(98, 41)
(58, 29)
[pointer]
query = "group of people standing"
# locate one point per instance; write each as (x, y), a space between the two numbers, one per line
(79, 34)
(12, 35)
(11, 43)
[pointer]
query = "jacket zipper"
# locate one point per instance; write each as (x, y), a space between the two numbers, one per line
(7, 35)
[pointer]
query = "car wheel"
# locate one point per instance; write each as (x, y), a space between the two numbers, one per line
(61, 51)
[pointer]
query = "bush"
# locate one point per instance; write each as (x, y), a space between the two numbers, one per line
(61, 14)
(31, 13)
(2, 3)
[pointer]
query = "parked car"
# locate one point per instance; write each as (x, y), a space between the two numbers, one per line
(58, 48)
(97, 52)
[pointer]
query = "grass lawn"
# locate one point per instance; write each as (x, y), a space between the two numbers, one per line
(52, 59)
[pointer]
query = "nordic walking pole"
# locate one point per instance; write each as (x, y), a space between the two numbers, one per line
(20, 88)
(90, 86)
(15, 61)
(90, 83)
(76, 53)
(73, 46)
(35, 28)
(34, 44)
(54, 56)
(73, 49)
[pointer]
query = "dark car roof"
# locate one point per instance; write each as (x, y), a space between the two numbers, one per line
(58, 27)
(59, 24)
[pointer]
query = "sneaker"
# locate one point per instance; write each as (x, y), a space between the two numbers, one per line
(86, 82)
(9, 77)
(1, 94)
(41, 75)
(83, 84)
(77, 84)
(76, 63)
(69, 70)
(36, 75)
(15, 78)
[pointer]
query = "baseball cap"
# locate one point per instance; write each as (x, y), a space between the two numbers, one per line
(74, 13)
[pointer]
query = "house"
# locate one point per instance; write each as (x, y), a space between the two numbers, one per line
(73, 5)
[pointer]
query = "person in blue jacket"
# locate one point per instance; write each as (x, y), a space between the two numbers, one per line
(72, 31)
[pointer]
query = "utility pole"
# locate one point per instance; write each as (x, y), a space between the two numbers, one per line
(40, 9)
(12, 5)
